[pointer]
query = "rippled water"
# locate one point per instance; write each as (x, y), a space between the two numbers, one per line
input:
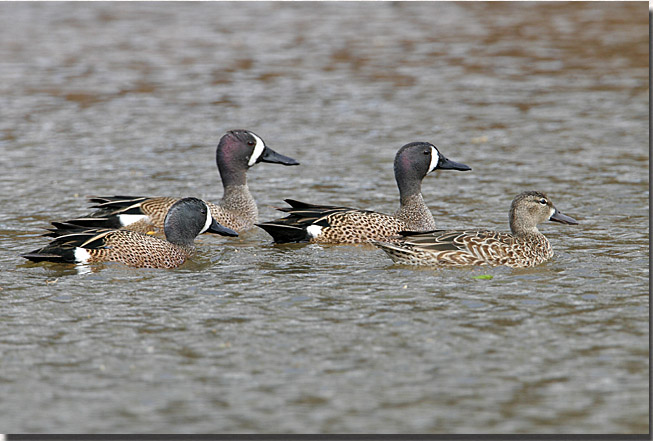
(132, 98)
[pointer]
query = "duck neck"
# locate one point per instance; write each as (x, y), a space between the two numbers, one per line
(231, 172)
(534, 240)
(520, 229)
(409, 187)
(238, 198)
(414, 213)
(236, 195)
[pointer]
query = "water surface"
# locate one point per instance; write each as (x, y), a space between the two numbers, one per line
(132, 98)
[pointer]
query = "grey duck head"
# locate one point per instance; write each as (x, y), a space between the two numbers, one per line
(189, 217)
(238, 150)
(417, 159)
(531, 208)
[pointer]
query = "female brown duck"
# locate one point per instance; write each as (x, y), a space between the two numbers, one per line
(523, 247)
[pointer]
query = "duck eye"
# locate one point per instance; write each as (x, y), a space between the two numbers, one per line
(251, 143)
(543, 201)
(427, 152)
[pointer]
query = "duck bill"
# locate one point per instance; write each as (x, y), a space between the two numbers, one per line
(448, 164)
(563, 219)
(216, 228)
(273, 157)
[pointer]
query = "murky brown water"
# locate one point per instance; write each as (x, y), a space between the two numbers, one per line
(249, 337)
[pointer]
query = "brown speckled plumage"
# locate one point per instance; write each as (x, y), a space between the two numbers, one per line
(414, 215)
(238, 211)
(333, 224)
(135, 249)
(345, 225)
(525, 246)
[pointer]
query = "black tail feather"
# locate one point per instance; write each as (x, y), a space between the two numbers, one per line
(82, 223)
(116, 199)
(64, 229)
(51, 253)
(298, 205)
(285, 233)
(107, 205)
(67, 238)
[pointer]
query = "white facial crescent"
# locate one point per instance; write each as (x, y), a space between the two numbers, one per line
(258, 150)
(435, 158)
(209, 219)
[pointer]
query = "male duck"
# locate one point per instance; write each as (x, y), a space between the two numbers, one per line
(523, 247)
(237, 151)
(333, 224)
(186, 219)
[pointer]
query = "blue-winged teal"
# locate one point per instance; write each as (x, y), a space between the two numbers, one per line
(186, 219)
(237, 151)
(333, 224)
(523, 247)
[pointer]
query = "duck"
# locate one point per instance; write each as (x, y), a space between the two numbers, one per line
(237, 152)
(185, 220)
(330, 224)
(525, 246)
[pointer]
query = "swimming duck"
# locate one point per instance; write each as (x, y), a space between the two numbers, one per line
(185, 219)
(334, 224)
(237, 151)
(523, 247)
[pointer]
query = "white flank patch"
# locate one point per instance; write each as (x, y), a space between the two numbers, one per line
(81, 255)
(128, 219)
(209, 219)
(435, 158)
(314, 230)
(258, 150)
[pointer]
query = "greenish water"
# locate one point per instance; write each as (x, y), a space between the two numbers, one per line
(131, 98)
